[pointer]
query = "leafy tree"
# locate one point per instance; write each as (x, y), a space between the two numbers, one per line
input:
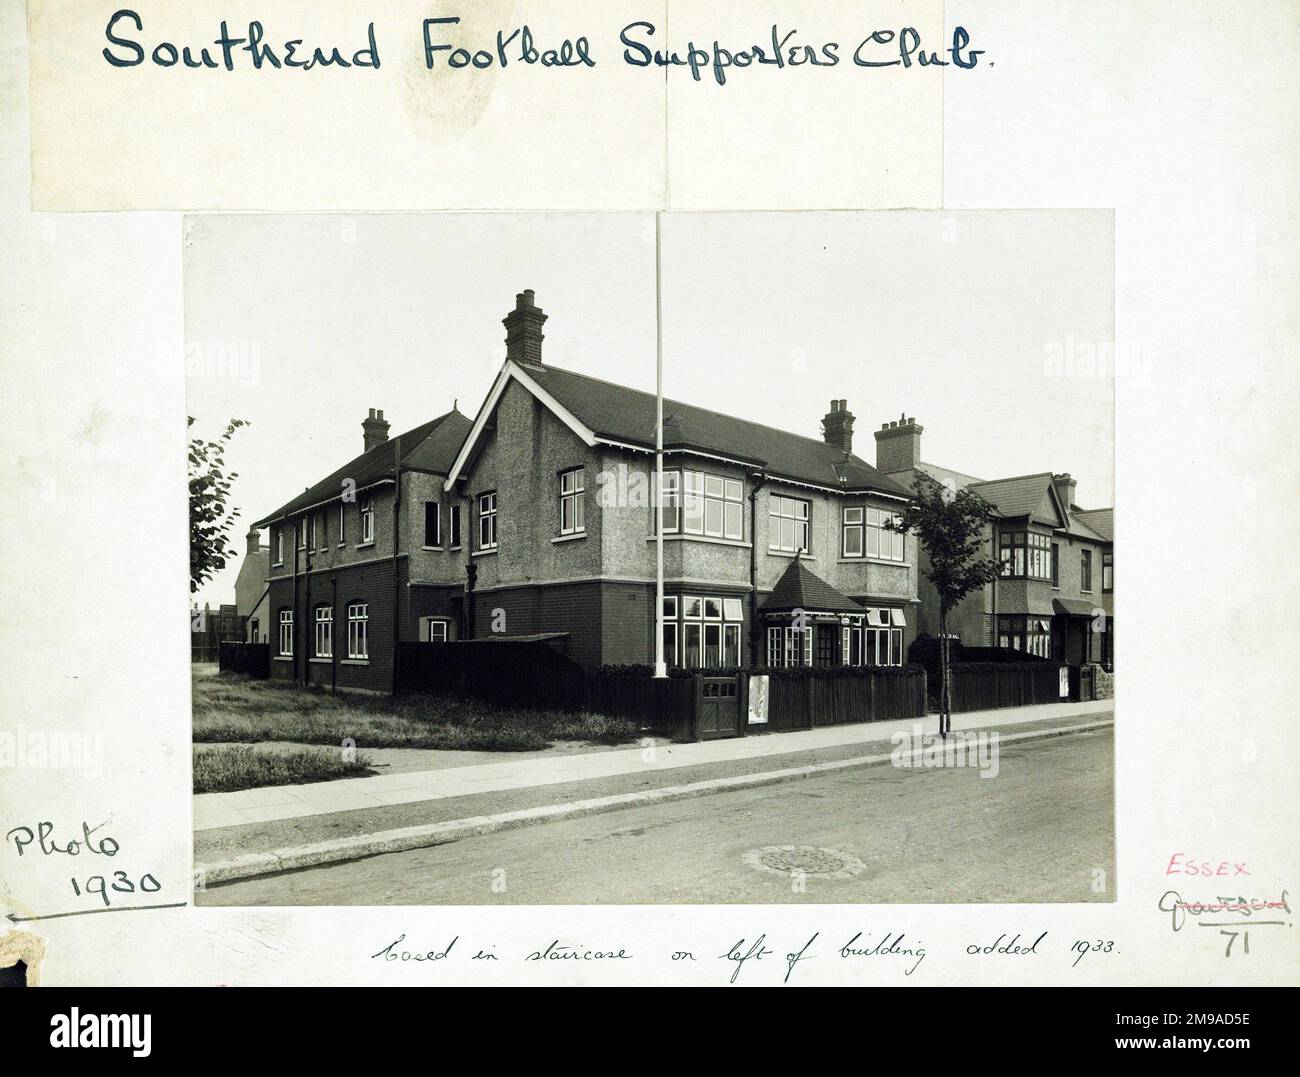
(210, 518)
(949, 524)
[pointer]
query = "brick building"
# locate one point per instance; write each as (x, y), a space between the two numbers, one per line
(1055, 597)
(538, 518)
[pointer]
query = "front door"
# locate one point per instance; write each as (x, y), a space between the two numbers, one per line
(718, 708)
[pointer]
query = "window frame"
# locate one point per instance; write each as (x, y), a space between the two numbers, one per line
(1085, 572)
(1107, 571)
(776, 511)
(689, 494)
(454, 522)
(343, 523)
(486, 516)
(323, 633)
(284, 638)
(358, 619)
(366, 509)
(856, 527)
(573, 500)
(436, 544)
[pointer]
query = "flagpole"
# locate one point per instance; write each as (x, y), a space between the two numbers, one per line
(661, 668)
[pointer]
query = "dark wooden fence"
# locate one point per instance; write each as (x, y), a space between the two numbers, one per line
(250, 659)
(987, 686)
(512, 673)
(664, 706)
(826, 698)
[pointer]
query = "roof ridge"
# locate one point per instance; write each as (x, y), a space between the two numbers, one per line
(1013, 478)
(701, 407)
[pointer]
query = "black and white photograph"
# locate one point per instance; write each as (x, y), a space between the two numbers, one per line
(660, 559)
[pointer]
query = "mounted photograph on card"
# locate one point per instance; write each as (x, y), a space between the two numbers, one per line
(646, 558)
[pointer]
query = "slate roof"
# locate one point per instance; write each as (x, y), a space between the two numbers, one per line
(800, 588)
(618, 413)
(1102, 521)
(1019, 496)
(431, 446)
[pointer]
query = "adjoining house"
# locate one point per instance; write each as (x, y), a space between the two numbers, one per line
(538, 519)
(252, 591)
(1056, 592)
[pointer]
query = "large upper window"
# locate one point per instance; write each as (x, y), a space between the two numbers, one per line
(324, 640)
(1025, 555)
(1107, 571)
(787, 523)
(367, 505)
(286, 633)
(1085, 570)
(696, 503)
(868, 532)
(572, 490)
(487, 521)
(455, 527)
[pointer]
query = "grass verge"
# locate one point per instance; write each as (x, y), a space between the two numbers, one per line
(229, 708)
(231, 767)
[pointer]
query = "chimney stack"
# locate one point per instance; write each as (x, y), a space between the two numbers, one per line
(837, 426)
(254, 540)
(375, 429)
(898, 445)
(524, 330)
(1065, 487)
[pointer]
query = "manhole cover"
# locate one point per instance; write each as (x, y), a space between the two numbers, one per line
(786, 860)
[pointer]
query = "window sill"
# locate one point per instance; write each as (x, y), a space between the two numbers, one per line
(714, 539)
(872, 561)
(790, 554)
(318, 660)
(570, 538)
(484, 553)
(432, 549)
(365, 545)
(341, 545)
(277, 564)
(354, 661)
(282, 658)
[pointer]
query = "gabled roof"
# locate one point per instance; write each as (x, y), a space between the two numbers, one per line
(600, 411)
(1101, 521)
(430, 446)
(799, 588)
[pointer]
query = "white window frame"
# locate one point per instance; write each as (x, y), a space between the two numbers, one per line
(343, 523)
(487, 518)
(797, 512)
(286, 634)
(427, 626)
(573, 487)
(882, 543)
(366, 506)
(323, 640)
(279, 545)
(302, 534)
(853, 524)
(705, 504)
(359, 630)
(775, 638)
(453, 522)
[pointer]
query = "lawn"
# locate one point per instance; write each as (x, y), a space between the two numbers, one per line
(229, 767)
(230, 708)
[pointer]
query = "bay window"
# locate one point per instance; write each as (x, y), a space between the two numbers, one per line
(696, 503)
(1025, 555)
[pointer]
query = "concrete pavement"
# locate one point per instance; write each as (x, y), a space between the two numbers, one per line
(1042, 831)
(218, 810)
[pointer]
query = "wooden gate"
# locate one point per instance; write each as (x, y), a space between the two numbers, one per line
(717, 709)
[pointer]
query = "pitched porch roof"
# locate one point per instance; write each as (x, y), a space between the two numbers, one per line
(799, 588)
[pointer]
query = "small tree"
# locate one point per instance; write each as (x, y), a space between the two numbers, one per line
(949, 524)
(210, 519)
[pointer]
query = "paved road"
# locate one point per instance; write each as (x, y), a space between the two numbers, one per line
(1035, 832)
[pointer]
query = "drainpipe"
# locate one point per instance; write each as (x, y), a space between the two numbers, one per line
(397, 530)
(293, 639)
(334, 642)
(755, 631)
(471, 569)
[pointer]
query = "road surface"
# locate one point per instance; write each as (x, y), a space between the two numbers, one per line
(1041, 830)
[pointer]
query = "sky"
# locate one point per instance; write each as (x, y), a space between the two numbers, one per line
(981, 324)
